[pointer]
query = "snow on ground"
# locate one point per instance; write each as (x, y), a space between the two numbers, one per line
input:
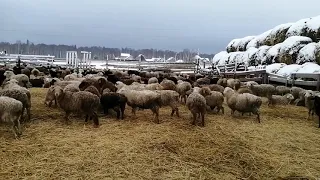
(308, 53)
(274, 68)
(259, 40)
(293, 44)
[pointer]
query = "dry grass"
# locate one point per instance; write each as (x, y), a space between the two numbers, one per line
(284, 144)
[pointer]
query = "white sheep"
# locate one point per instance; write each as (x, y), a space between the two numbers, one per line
(144, 99)
(282, 90)
(153, 80)
(10, 112)
(215, 99)
(196, 103)
(182, 87)
(23, 80)
(281, 100)
(170, 98)
(243, 102)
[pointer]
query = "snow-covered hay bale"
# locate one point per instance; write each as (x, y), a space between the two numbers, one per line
(260, 56)
(273, 54)
(216, 59)
(309, 27)
(309, 67)
(309, 53)
(259, 40)
(290, 48)
(286, 71)
(239, 44)
(278, 34)
(238, 57)
(274, 68)
(224, 59)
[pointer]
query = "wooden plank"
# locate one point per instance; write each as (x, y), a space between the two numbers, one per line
(246, 72)
(306, 75)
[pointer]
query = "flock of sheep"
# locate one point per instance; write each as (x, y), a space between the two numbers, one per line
(93, 92)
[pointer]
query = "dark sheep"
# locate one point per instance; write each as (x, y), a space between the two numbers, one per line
(114, 101)
(317, 107)
(26, 71)
(133, 72)
(112, 78)
(100, 83)
(36, 82)
(173, 79)
(2, 77)
(127, 81)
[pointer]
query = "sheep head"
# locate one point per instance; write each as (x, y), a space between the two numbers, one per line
(205, 91)
(8, 74)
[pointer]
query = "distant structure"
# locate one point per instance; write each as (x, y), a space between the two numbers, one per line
(73, 61)
(125, 57)
(86, 59)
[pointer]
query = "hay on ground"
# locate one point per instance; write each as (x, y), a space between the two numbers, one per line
(284, 144)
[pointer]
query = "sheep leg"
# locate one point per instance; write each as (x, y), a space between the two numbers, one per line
(29, 113)
(256, 112)
(50, 103)
(95, 119)
(105, 111)
(134, 111)
(14, 130)
(194, 118)
(117, 111)
(309, 114)
(319, 122)
(177, 112)
(222, 109)
(22, 112)
(202, 119)
(122, 111)
(232, 112)
(87, 117)
(17, 126)
(67, 117)
(172, 111)
(155, 111)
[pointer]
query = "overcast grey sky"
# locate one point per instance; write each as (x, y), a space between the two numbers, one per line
(164, 24)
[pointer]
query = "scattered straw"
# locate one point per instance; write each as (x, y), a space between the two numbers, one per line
(284, 144)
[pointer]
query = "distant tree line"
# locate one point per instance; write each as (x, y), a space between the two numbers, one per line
(98, 52)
